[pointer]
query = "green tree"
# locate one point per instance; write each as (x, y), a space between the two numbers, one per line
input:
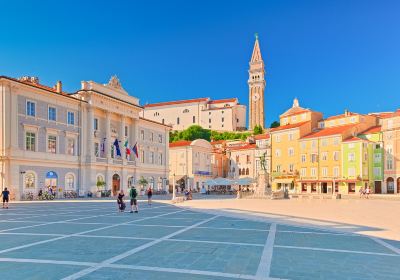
(275, 124)
(258, 130)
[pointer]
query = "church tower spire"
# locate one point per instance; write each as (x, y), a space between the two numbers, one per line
(256, 84)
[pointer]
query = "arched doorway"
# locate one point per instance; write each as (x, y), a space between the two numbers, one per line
(51, 180)
(115, 184)
(390, 185)
(398, 185)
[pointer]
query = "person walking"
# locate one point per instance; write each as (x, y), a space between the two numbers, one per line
(362, 192)
(149, 195)
(133, 196)
(120, 201)
(6, 196)
(368, 191)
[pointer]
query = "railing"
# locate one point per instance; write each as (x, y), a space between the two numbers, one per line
(117, 161)
(132, 163)
(98, 159)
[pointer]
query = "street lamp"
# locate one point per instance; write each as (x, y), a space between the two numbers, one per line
(173, 187)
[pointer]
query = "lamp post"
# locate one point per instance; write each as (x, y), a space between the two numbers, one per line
(173, 187)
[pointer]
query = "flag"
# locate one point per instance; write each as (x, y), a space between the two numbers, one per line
(116, 144)
(135, 150)
(128, 151)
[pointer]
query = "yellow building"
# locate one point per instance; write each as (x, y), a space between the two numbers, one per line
(320, 153)
(295, 123)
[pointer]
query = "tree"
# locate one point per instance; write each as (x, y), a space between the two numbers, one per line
(257, 130)
(142, 182)
(275, 124)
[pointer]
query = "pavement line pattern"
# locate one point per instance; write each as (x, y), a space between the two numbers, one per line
(76, 234)
(133, 251)
(387, 245)
(264, 266)
(336, 250)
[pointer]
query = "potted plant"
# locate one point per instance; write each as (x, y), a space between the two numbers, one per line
(142, 182)
(100, 187)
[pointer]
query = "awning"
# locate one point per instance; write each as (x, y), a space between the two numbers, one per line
(283, 181)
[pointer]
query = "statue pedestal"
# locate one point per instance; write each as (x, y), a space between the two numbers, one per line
(262, 189)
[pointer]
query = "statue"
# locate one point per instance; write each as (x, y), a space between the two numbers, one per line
(114, 82)
(262, 162)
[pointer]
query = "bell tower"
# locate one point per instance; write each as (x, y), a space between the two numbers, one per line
(256, 87)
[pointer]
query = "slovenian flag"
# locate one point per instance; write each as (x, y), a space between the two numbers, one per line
(116, 144)
(135, 150)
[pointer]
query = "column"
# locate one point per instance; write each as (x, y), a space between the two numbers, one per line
(90, 139)
(108, 136)
(122, 138)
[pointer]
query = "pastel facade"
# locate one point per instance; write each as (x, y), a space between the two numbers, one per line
(391, 138)
(51, 138)
(220, 115)
(285, 150)
(190, 163)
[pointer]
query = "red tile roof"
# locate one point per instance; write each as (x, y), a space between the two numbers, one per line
(341, 116)
(288, 126)
(197, 100)
(222, 101)
(217, 142)
(37, 85)
(353, 139)
(373, 129)
(261, 136)
(180, 143)
(329, 131)
(243, 147)
(300, 111)
(391, 115)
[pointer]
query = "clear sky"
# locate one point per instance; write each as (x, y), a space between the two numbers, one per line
(332, 55)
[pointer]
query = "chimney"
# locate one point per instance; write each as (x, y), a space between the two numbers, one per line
(346, 112)
(59, 87)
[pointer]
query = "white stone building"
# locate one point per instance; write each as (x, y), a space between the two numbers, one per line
(51, 138)
(190, 163)
(220, 115)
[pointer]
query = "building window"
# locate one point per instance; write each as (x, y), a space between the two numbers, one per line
(336, 172)
(52, 144)
(30, 141)
(336, 156)
(303, 158)
(96, 124)
(313, 172)
(336, 141)
(177, 120)
(303, 145)
(351, 172)
(52, 115)
(324, 142)
(159, 138)
(160, 159)
(291, 152)
(377, 171)
(162, 121)
(69, 182)
(71, 118)
(291, 136)
(351, 145)
(222, 119)
(152, 157)
(291, 167)
(248, 159)
(209, 120)
(194, 119)
(126, 131)
(325, 171)
(31, 108)
(324, 156)
(314, 158)
(278, 138)
(278, 168)
(151, 136)
(237, 159)
(96, 149)
(377, 158)
(29, 180)
(71, 146)
(314, 144)
(247, 171)
(303, 172)
(278, 153)
(351, 157)
(142, 156)
(186, 111)
(142, 134)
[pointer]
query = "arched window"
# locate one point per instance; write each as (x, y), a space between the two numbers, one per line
(69, 181)
(240, 172)
(247, 171)
(186, 111)
(30, 180)
(243, 171)
(100, 178)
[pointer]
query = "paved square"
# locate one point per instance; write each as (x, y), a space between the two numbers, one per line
(87, 240)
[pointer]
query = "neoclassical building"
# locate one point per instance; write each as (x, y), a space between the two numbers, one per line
(69, 141)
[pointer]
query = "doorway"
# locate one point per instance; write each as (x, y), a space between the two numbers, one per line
(51, 180)
(378, 187)
(115, 184)
(352, 187)
(324, 187)
(398, 185)
(390, 185)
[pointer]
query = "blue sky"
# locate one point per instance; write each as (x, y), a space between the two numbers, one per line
(332, 55)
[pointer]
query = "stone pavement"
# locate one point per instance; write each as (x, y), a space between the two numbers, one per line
(91, 240)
